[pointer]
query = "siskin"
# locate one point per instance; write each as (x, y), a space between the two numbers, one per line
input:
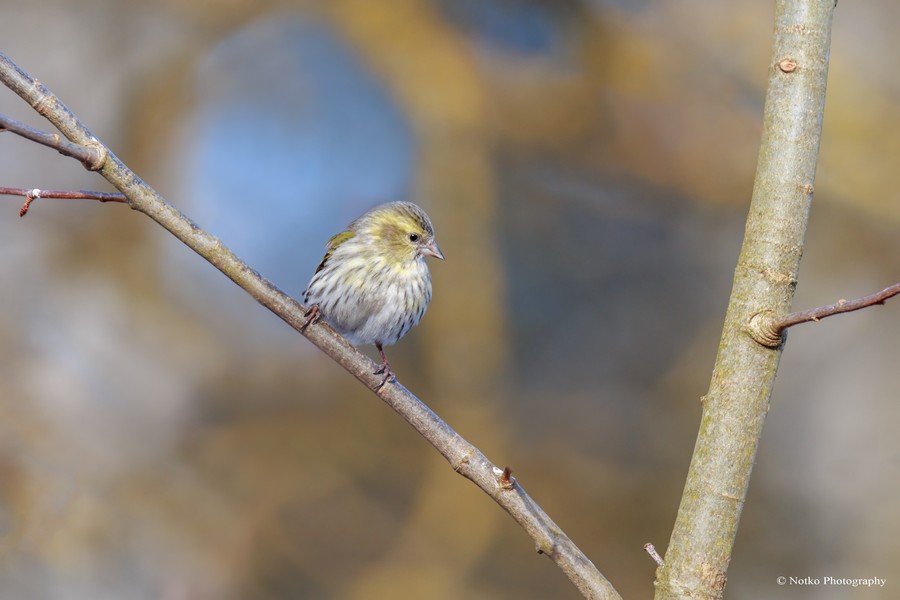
(373, 285)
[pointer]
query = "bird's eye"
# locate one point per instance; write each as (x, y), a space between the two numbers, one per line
(414, 237)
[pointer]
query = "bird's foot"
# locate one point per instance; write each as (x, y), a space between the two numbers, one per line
(388, 375)
(385, 368)
(312, 315)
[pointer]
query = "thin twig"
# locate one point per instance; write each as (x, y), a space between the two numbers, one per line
(651, 550)
(91, 155)
(839, 307)
(464, 458)
(31, 195)
(768, 329)
(507, 481)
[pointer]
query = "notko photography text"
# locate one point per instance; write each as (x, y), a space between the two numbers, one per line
(832, 581)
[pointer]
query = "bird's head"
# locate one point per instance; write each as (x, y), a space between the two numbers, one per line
(402, 230)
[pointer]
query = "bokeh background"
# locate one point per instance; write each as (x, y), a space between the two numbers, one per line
(587, 165)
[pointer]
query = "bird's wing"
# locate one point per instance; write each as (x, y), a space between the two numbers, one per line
(333, 242)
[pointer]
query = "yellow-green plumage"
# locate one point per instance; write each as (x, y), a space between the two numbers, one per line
(373, 284)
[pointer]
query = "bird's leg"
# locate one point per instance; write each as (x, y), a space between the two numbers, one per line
(385, 368)
(312, 315)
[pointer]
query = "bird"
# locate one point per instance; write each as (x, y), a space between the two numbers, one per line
(373, 284)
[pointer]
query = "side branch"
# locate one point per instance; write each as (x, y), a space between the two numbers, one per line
(465, 458)
(91, 155)
(31, 195)
(767, 328)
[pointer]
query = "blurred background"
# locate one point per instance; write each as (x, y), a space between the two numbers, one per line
(588, 166)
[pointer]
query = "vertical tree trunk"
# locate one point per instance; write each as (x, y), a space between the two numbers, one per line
(735, 408)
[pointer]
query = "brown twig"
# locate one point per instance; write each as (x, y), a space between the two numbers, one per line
(91, 154)
(841, 306)
(506, 479)
(33, 194)
(768, 329)
(464, 458)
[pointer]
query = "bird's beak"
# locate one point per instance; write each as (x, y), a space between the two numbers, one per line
(431, 249)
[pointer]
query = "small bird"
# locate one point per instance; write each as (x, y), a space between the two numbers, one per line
(373, 284)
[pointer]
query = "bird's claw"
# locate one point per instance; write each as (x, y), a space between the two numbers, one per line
(389, 376)
(312, 315)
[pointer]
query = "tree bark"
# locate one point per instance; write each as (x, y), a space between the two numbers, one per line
(734, 410)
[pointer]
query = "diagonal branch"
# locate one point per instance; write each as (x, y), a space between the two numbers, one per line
(463, 457)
